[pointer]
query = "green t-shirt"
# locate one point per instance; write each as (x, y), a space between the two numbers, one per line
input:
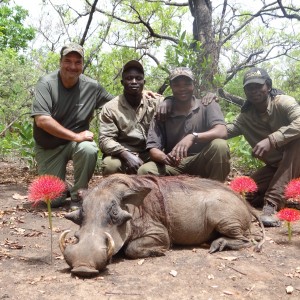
(72, 108)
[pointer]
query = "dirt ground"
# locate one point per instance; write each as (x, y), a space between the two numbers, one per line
(26, 271)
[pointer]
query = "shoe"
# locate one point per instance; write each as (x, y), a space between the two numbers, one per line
(75, 204)
(268, 216)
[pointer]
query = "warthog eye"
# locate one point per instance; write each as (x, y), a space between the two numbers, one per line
(117, 215)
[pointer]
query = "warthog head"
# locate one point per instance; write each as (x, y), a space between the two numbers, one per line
(103, 224)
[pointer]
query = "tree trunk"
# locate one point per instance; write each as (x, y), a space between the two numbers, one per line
(201, 10)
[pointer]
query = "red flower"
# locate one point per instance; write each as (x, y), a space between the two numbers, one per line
(292, 190)
(45, 188)
(243, 184)
(289, 214)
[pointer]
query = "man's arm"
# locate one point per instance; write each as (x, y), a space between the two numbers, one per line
(181, 148)
(102, 96)
(51, 126)
(42, 110)
(162, 158)
(289, 107)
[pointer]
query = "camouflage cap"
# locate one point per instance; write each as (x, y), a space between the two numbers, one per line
(181, 71)
(256, 75)
(72, 47)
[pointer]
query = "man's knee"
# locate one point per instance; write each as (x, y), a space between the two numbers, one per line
(86, 148)
(111, 165)
(219, 147)
(143, 170)
(151, 168)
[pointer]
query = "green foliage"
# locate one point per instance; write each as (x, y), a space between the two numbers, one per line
(47, 61)
(107, 67)
(17, 78)
(241, 152)
(13, 34)
(287, 77)
(185, 53)
(19, 143)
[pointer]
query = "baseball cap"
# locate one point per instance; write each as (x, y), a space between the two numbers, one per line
(72, 47)
(133, 64)
(181, 71)
(256, 75)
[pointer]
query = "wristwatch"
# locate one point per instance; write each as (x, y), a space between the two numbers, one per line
(195, 134)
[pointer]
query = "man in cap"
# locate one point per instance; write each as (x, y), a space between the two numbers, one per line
(270, 122)
(64, 104)
(191, 139)
(124, 124)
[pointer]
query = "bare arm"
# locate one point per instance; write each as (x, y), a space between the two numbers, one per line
(51, 126)
(217, 132)
(181, 149)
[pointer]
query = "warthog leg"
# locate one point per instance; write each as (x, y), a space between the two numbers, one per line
(233, 244)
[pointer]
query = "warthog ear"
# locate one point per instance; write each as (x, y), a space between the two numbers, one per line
(135, 196)
(75, 216)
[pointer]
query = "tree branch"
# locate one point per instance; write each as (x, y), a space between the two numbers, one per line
(88, 24)
(150, 29)
(285, 14)
(61, 18)
(239, 101)
(253, 16)
(168, 2)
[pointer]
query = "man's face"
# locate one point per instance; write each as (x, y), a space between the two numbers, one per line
(256, 93)
(133, 81)
(71, 66)
(182, 88)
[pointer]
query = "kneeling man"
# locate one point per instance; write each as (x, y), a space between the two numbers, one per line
(192, 138)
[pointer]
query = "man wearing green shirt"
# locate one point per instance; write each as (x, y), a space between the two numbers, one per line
(64, 104)
(270, 122)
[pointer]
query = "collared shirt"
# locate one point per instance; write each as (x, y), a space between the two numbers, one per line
(165, 135)
(280, 123)
(124, 128)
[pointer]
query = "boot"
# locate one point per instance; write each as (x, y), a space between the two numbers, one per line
(268, 216)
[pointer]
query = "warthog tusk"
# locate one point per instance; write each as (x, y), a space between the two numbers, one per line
(110, 246)
(62, 243)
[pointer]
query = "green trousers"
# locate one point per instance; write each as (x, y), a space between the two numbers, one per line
(271, 181)
(111, 164)
(212, 162)
(54, 161)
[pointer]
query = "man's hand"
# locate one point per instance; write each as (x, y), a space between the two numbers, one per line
(262, 148)
(150, 94)
(83, 136)
(131, 161)
(171, 160)
(208, 98)
(181, 149)
(163, 110)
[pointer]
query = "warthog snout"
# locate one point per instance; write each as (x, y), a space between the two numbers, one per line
(90, 255)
